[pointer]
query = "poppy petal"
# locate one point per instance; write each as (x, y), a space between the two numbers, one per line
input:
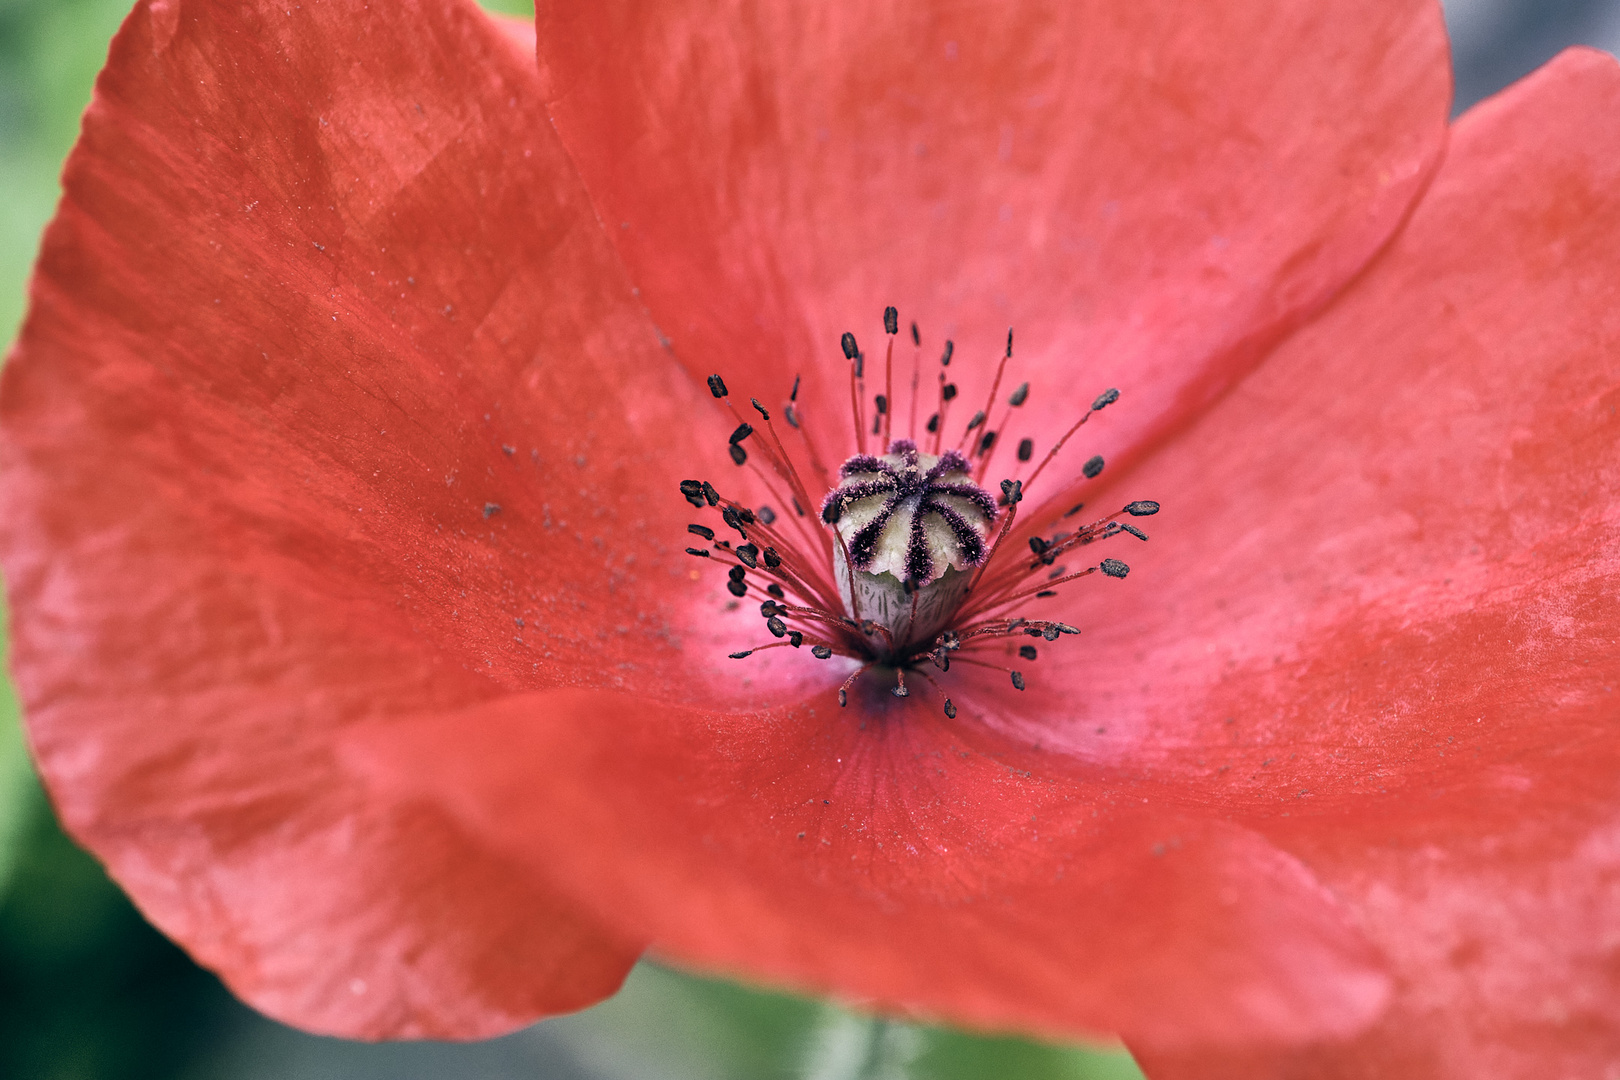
(1150, 193)
(883, 855)
(1377, 621)
(332, 403)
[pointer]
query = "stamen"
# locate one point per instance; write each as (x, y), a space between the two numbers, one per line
(995, 386)
(916, 377)
(843, 691)
(891, 327)
(909, 574)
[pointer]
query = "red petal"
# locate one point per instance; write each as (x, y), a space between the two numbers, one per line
(884, 855)
(322, 294)
(1150, 193)
(1377, 619)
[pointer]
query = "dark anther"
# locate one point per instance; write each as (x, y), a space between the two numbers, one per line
(1032, 631)
(737, 588)
(738, 454)
(759, 408)
(742, 432)
(1009, 341)
(711, 496)
(945, 357)
(1026, 449)
(1133, 530)
(843, 700)
(717, 386)
(950, 710)
(1105, 399)
(1019, 396)
(701, 530)
(891, 321)
(851, 350)
(775, 590)
(1114, 568)
(769, 608)
(792, 415)
(1044, 593)
(1037, 545)
(951, 640)
(1027, 652)
(795, 395)
(933, 423)
(736, 573)
(942, 658)
(729, 516)
(795, 638)
(749, 554)
(948, 391)
(1142, 508)
(772, 559)
(820, 652)
(491, 509)
(702, 553)
(987, 441)
(882, 404)
(1013, 491)
(1018, 679)
(745, 515)
(776, 627)
(1092, 467)
(1065, 628)
(978, 418)
(740, 655)
(1050, 633)
(832, 512)
(767, 515)
(689, 488)
(916, 338)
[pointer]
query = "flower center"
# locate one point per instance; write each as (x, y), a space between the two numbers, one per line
(911, 564)
(912, 527)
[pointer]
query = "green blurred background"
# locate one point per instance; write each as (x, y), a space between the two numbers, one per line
(89, 991)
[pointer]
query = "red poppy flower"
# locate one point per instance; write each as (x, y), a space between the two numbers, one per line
(344, 531)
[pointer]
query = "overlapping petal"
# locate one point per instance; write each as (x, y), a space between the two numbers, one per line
(884, 855)
(332, 404)
(1377, 622)
(1150, 192)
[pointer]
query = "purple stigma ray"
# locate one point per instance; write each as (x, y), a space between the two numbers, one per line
(907, 485)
